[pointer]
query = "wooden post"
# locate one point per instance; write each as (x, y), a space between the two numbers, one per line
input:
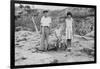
(35, 25)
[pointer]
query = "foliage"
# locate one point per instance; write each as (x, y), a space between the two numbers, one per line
(83, 18)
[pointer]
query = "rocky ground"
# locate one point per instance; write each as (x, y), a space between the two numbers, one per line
(27, 52)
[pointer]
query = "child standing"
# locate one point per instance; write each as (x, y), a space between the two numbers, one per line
(69, 21)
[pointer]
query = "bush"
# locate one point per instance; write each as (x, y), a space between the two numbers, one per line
(83, 19)
(83, 26)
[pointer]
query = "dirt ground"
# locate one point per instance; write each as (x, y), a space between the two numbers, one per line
(26, 52)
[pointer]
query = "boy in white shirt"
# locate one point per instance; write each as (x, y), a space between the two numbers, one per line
(69, 32)
(45, 30)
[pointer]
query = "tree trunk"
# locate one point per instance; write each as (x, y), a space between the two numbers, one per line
(35, 25)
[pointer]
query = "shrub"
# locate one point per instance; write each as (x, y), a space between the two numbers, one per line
(83, 19)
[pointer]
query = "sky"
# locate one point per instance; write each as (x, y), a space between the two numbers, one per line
(45, 7)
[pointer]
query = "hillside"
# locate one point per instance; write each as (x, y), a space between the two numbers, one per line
(83, 19)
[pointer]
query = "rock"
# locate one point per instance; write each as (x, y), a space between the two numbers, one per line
(91, 34)
(89, 52)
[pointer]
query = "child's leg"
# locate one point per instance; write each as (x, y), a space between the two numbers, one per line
(68, 45)
(42, 39)
(46, 37)
(69, 42)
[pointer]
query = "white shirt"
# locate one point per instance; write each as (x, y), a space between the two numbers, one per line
(45, 21)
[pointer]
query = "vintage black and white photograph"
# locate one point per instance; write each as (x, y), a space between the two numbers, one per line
(50, 34)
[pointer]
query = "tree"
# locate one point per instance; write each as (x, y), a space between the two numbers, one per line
(35, 25)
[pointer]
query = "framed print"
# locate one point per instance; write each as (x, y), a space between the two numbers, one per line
(52, 34)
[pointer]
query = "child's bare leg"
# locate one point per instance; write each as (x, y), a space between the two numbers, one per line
(69, 42)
